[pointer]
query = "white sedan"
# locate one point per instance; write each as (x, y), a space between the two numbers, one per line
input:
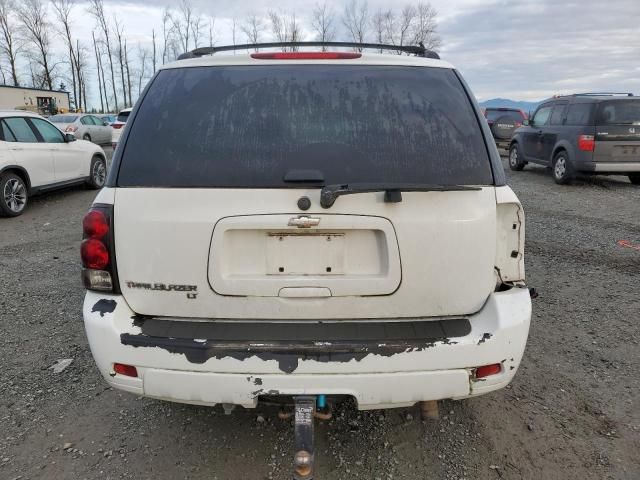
(36, 157)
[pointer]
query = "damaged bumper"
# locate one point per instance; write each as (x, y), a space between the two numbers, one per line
(380, 364)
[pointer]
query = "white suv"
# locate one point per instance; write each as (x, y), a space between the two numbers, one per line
(35, 157)
(118, 125)
(331, 224)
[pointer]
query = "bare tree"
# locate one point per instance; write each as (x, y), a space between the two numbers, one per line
(143, 55)
(425, 28)
(100, 79)
(96, 8)
(355, 18)
(126, 63)
(197, 29)
(252, 28)
(153, 55)
(166, 33)
(81, 54)
(278, 26)
(399, 29)
(62, 9)
(379, 22)
(212, 24)
(285, 28)
(184, 24)
(322, 23)
(33, 15)
(119, 31)
(234, 29)
(10, 44)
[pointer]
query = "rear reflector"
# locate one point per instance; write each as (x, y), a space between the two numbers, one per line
(488, 370)
(126, 370)
(306, 56)
(586, 143)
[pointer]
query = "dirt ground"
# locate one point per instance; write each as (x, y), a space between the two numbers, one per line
(571, 413)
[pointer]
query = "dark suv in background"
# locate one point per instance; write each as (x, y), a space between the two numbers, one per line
(587, 132)
(503, 122)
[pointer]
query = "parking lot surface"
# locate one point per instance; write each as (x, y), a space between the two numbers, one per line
(571, 413)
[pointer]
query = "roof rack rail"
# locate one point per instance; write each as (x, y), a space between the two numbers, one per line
(602, 94)
(418, 50)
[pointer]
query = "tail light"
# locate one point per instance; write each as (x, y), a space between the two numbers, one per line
(306, 56)
(586, 143)
(117, 125)
(71, 129)
(96, 250)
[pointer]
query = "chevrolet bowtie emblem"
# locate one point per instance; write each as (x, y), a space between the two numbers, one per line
(303, 222)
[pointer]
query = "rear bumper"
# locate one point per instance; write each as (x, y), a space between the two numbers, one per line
(611, 167)
(376, 377)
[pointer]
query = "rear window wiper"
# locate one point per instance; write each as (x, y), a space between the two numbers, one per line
(392, 191)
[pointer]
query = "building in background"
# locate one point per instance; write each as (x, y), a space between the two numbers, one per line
(44, 102)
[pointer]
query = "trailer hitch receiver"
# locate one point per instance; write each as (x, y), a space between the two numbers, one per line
(303, 459)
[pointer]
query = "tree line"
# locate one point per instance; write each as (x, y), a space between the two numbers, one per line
(119, 71)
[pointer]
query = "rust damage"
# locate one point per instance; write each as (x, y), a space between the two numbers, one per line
(104, 306)
(290, 344)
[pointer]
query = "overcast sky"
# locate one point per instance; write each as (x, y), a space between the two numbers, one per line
(518, 49)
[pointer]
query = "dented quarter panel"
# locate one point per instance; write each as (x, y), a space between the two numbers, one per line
(510, 231)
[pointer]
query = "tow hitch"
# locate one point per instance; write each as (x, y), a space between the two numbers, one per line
(306, 409)
(303, 459)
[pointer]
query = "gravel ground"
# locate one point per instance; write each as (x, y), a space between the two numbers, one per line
(571, 413)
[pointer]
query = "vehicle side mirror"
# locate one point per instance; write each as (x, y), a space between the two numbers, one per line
(106, 124)
(69, 137)
(526, 123)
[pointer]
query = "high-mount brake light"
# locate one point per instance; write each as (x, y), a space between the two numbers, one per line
(306, 55)
(586, 143)
(96, 249)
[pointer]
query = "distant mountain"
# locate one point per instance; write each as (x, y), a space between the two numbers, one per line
(505, 102)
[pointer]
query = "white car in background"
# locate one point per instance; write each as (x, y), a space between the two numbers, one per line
(86, 127)
(35, 157)
(118, 125)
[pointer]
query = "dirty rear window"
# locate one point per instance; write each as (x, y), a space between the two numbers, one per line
(619, 112)
(123, 116)
(493, 115)
(63, 118)
(247, 126)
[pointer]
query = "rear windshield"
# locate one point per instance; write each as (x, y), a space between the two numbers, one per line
(493, 115)
(63, 118)
(247, 126)
(619, 112)
(122, 116)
